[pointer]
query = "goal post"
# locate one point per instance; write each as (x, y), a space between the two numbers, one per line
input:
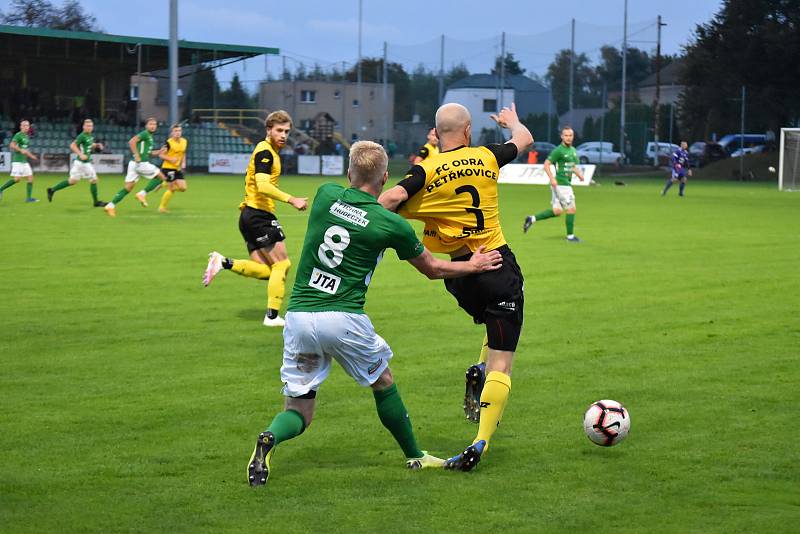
(789, 160)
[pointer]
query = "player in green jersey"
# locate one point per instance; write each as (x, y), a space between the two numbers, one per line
(565, 159)
(83, 146)
(20, 168)
(347, 234)
(141, 146)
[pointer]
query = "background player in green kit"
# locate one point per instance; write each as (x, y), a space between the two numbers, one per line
(565, 158)
(83, 146)
(141, 146)
(20, 168)
(347, 234)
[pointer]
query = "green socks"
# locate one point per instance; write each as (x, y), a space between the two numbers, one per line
(30, 189)
(392, 413)
(119, 196)
(287, 425)
(546, 214)
(7, 184)
(61, 185)
(570, 223)
(152, 184)
(93, 189)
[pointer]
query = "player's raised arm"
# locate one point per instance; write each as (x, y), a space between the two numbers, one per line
(434, 268)
(520, 135)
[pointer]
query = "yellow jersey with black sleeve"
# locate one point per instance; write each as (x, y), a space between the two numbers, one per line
(427, 150)
(455, 194)
(261, 181)
(176, 151)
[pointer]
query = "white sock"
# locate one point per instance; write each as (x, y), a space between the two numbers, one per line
(110, 205)
(570, 236)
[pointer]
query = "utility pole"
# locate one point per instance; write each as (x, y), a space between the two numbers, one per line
(173, 61)
(624, 75)
(571, 72)
(385, 95)
(741, 139)
(502, 71)
(657, 105)
(441, 70)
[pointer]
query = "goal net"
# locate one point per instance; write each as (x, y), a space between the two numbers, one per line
(789, 164)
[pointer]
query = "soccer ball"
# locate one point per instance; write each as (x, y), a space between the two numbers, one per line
(606, 422)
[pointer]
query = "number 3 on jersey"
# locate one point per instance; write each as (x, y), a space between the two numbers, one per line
(475, 209)
(330, 252)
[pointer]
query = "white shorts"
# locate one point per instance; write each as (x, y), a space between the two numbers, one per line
(82, 170)
(143, 168)
(567, 193)
(312, 339)
(21, 169)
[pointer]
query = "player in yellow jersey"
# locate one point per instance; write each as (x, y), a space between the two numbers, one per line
(429, 149)
(455, 194)
(257, 222)
(173, 157)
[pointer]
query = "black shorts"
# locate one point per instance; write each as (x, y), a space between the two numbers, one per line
(259, 228)
(172, 174)
(494, 298)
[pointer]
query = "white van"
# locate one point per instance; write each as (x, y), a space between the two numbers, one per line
(607, 146)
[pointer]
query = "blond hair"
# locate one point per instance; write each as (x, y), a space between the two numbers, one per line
(277, 117)
(368, 162)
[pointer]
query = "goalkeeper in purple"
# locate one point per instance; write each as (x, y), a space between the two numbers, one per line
(680, 169)
(348, 232)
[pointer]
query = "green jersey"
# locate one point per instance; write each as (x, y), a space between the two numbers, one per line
(564, 158)
(347, 234)
(145, 145)
(23, 142)
(85, 142)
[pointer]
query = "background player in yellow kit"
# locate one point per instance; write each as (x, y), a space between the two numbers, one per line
(257, 222)
(173, 154)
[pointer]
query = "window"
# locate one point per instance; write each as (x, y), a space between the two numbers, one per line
(337, 94)
(355, 103)
(308, 96)
(305, 124)
(490, 105)
(134, 92)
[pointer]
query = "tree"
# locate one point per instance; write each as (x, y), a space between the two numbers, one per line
(43, 14)
(235, 97)
(511, 64)
(403, 99)
(201, 92)
(751, 43)
(638, 66)
(585, 93)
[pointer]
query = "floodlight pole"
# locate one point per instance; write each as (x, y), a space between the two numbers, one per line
(624, 73)
(358, 74)
(173, 61)
(441, 71)
(741, 139)
(657, 105)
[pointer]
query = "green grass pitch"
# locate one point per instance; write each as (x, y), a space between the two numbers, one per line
(131, 396)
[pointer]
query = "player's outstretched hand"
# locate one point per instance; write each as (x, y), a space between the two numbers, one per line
(507, 116)
(491, 261)
(299, 203)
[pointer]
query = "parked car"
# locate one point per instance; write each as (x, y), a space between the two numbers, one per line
(702, 153)
(607, 146)
(597, 154)
(542, 149)
(748, 150)
(733, 142)
(665, 151)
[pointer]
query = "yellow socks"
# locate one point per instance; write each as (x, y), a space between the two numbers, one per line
(165, 199)
(493, 402)
(484, 350)
(252, 269)
(277, 284)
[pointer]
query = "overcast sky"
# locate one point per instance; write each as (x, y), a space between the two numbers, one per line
(326, 31)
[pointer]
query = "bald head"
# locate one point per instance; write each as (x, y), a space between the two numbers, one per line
(453, 126)
(452, 118)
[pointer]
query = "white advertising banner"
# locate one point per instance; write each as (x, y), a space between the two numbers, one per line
(228, 163)
(308, 165)
(5, 161)
(333, 165)
(105, 163)
(528, 174)
(52, 162)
